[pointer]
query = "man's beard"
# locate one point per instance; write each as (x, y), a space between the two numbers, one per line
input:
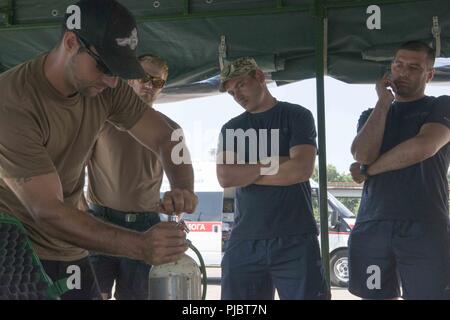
(407, 90)
(148, 99)
(80, 87)
(84, 92)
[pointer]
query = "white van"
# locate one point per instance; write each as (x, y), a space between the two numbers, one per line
(205, 226)
(340, 223)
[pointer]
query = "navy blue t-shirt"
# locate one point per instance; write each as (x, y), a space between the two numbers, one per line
(418, 192)
(264, 212)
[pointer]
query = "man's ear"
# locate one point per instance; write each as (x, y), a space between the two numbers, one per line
(70, 42)
(260, 76)
(430, 75)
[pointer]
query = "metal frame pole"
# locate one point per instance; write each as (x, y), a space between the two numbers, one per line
(320, 92)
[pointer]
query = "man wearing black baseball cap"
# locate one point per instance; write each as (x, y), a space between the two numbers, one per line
(112, 31)
(53, 108)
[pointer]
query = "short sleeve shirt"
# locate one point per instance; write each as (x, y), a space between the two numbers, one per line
(262, 211)
(43, 132)
(123, 174)
(418, 192)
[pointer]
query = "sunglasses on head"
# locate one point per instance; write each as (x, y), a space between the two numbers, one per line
(157, 83)
(101, 66)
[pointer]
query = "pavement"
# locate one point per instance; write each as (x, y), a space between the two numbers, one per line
(213, 290)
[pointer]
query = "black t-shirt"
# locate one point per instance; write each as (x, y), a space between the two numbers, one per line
(418, 192)
(264, 212)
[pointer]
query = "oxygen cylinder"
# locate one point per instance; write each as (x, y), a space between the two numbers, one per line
(180, 280)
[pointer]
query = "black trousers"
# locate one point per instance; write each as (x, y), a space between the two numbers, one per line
(84, 288)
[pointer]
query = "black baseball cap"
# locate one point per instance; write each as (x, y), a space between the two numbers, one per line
(111, 29)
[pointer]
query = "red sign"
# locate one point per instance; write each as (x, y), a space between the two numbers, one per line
(201, 226)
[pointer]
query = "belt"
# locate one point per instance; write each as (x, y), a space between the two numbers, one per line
(123, 216)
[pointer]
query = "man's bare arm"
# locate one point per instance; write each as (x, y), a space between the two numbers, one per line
(298, 168)
(367, 143)
(233, 174)
(42, 196)
(431, 138)
(153, 131)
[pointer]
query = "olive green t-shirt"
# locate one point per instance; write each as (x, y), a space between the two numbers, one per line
(43, 132)
(123, 174)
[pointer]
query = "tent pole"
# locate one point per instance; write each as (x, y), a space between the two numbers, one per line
(320, 91)
(186, 7)
(280, 8)
(185, 15)
(8, 12)
(366, 3)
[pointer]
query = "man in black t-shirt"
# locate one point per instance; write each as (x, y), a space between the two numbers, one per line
(401, 236)
(268, 153)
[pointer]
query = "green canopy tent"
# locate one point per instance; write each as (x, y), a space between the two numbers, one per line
(192, 35)
(350, 40)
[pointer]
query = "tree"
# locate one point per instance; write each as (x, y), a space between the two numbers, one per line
(351, 203)
(334, 176)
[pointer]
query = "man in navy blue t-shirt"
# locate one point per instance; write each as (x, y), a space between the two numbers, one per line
(268, 153)
(401, 236)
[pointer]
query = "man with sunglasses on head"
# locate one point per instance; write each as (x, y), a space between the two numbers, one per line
(53, 108)
(124, 188)
(401, 236)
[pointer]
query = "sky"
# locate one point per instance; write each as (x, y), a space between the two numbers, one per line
(202, 118)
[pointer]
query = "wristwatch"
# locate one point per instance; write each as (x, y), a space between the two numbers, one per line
(363, 169)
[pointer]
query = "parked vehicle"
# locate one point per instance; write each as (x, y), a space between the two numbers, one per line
(205, 226)
(340, 223)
